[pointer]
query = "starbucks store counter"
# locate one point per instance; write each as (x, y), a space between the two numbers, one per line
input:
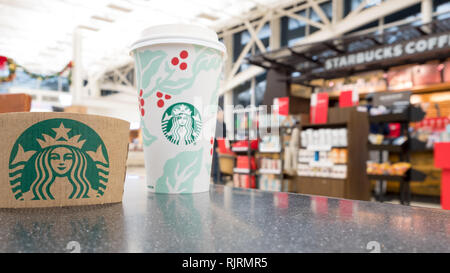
(225, 220)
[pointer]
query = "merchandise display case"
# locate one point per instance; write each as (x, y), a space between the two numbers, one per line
(332, 156)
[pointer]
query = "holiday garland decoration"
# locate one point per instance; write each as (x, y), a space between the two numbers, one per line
(4, 61)
(12, 65)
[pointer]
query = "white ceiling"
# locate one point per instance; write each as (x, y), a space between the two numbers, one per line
(38, 34)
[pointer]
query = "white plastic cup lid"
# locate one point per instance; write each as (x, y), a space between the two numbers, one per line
(179, 33)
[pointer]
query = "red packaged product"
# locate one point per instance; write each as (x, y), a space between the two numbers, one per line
(242, 162)
(318, 112)
(426, 74)
(446, 72)
(348, 98)
(399, 78)
(248, 181)
(394, 130)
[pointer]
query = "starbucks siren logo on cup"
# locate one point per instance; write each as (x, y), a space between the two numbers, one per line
(181, 124)
(178, 72)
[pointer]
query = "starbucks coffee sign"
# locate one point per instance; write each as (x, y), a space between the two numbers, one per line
(431, 44)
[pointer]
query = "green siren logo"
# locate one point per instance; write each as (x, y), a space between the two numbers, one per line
(58, 159)
(181, 123)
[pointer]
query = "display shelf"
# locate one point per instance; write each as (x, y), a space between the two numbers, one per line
(389, 148)
(322, 147)
(239, 149)
(269, 151)
(243, 171)
(416, 175)
(324, 125)
(410, 175)
(321, 177)
(413, 144)
(385, 118)
(318, 147)
(386, 177)
(355, 185)
(416, 145)
(422, 89)
(321, 163)
(249, 132)
(268, 171)
(410, 114)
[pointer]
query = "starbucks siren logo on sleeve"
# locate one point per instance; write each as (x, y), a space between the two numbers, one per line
(58, 159)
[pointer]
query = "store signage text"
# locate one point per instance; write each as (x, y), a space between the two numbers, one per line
(418, 46)
(391, 98)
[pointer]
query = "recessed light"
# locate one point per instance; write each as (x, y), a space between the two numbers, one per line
(208, 16)
(88, 28)
(104, 19)
(116, 7)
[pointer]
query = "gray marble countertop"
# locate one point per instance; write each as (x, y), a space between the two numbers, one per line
(225, 220)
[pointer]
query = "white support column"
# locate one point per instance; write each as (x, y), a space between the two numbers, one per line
(275, 34)
(427, 11)
(381, 26)
(77, 74)
(94, 87)
(253, 92)
(323, 17)
(308, 25)
(228, 95)
(338, 11)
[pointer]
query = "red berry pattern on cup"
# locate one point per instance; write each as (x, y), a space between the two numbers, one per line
(141, 103)
(162, 97)
(212, 143)
(175, 60)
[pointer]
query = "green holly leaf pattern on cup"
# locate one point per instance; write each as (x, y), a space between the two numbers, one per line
(148, 138)
(148, 64)
(180, 172)
(169, 81)
(208, 167)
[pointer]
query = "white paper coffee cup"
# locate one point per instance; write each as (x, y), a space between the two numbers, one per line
(178, 73)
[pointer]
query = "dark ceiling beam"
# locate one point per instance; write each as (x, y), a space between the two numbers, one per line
(259, 64)
(280, 64)
(421, 31)
(334, 48)
(303, 56)
(375, 40)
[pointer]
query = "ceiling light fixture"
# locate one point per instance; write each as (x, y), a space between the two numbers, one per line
(88, 28)
(207, 16)
(116, 7)
(104, 19)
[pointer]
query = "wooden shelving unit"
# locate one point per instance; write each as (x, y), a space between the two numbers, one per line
(413, 145)
(356, 184)
(279, 174)
(431, 88)
(247, 150)
(410, 114)
(272, 152)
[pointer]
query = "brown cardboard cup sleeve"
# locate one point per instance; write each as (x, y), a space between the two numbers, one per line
(61, 159)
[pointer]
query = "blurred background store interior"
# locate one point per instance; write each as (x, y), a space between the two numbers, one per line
(73, 56)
